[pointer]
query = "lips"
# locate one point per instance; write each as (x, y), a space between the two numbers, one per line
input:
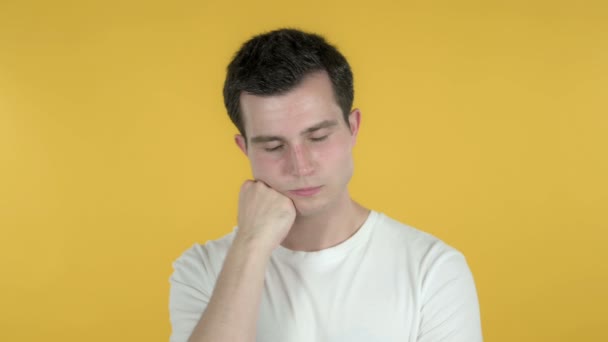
(306, 192)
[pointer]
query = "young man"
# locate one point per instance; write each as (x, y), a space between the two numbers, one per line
(306, 262)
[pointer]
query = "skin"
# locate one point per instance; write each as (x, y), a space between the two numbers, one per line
(298, 140)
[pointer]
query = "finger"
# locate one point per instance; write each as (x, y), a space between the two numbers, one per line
(246, 184)
(259, 181)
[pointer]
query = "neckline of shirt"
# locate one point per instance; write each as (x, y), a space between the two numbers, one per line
(332, 252)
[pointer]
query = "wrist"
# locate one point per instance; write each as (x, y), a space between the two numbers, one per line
(252, 246)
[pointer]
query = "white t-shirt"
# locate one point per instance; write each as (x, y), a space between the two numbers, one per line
(387, 282)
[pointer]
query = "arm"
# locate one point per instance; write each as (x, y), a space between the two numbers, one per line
(233, 308)
(265, 217)
(450, 308)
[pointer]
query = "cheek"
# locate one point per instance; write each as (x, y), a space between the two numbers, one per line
(264, 167)
(334, 161)
(336, 153)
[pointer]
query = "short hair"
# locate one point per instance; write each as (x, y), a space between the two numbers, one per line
(275, 62)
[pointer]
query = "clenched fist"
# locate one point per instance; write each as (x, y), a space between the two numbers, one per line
(265, 215)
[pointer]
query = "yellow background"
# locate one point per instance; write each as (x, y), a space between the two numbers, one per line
(484, 123)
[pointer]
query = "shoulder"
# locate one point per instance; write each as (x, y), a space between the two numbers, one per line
(412, 238)
(418, 247)
(191, 284)
(202, 262)
(445, 287)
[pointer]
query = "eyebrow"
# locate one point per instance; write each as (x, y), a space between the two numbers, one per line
(269, 138)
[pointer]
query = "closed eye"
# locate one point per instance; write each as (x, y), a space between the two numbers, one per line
(273, 149)
(319, 138)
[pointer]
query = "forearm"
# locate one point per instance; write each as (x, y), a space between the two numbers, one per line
(233, 308)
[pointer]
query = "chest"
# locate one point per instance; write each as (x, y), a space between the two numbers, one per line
(356, 299)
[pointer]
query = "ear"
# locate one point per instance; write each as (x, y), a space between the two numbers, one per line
(354, 121)
(241, 143)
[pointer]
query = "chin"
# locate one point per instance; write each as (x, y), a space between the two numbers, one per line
(306, 209)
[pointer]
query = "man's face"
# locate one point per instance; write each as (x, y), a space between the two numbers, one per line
(299, 144)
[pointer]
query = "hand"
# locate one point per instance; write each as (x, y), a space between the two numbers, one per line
(265, 215)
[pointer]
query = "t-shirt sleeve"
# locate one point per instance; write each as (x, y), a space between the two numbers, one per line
(450, 307)
(191, 286)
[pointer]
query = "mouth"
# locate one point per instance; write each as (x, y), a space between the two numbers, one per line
(306, 192)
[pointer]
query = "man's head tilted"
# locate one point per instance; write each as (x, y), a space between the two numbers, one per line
(274, 63)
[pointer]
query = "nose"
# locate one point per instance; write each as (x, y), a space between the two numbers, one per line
(300, 161)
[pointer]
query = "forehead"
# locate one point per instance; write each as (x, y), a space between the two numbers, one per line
(308, 103)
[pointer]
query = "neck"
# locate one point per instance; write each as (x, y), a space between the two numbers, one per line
(327, 228)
